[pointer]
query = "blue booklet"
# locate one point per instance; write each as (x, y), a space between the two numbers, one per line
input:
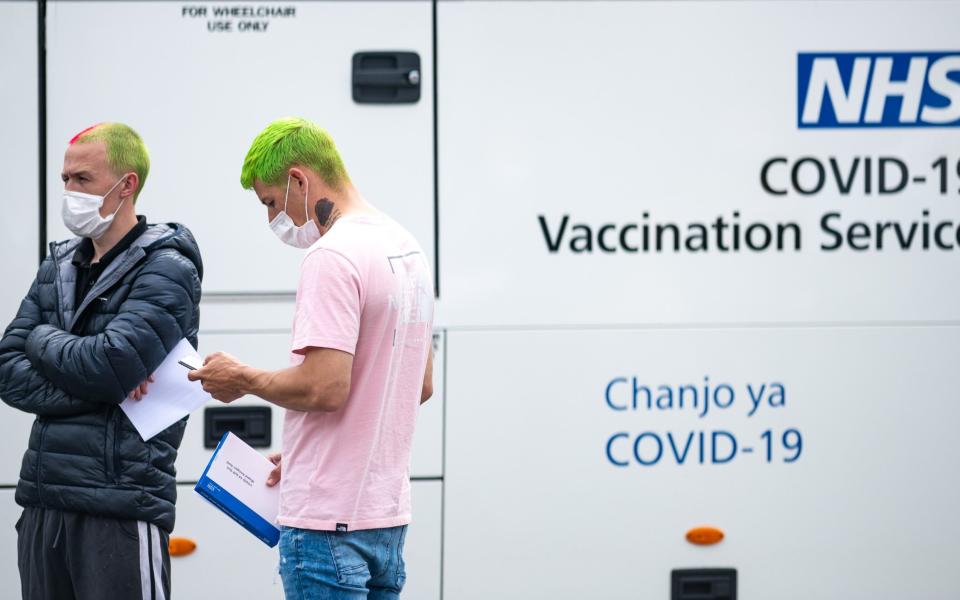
(235, 481)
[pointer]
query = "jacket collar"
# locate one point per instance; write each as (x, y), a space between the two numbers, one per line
(62, 253)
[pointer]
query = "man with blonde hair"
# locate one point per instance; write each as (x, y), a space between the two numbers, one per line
(360, 367)
(103, 312)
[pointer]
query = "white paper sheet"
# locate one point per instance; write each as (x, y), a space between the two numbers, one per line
(170, 398)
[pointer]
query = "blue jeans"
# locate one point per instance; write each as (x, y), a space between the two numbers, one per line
(356, 565)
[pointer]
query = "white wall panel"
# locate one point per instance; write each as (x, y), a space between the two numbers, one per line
(199, 98)
(19, 226)
(423, 545)
(427, 453)
(867, 510)
(607, 111)
(246, 313)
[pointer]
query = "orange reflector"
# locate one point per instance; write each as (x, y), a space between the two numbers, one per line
(180, 546)
(704, 536)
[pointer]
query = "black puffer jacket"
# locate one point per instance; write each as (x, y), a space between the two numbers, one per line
(73, 365)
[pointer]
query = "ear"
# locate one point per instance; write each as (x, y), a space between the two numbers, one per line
(297, 175)
(130, 185)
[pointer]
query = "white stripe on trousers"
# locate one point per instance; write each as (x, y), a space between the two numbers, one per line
(157, 563)
(150, 549)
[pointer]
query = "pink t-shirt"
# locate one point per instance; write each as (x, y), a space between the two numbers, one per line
(365, 288)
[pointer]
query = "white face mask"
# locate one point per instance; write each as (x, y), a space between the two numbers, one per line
(81, 212)
(283, 226)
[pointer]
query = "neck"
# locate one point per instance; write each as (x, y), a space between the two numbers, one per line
(121, 226)
(336, 204)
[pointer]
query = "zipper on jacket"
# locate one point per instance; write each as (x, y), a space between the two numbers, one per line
(56, 269)
(113, 275)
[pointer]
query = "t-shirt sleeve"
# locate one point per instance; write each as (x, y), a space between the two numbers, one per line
(328, 303)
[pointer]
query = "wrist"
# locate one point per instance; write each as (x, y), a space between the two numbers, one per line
(255, 381)
(32, 345)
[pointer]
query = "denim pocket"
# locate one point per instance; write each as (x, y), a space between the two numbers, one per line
(349, 552)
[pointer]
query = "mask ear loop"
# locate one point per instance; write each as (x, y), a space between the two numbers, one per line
(285, 196)
(111, 191)
(305, 197)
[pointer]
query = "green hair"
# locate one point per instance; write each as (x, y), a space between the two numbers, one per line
(292, 141)
(125, 149)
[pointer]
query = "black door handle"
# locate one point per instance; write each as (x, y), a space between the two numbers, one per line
(386, 77)
(398, 78)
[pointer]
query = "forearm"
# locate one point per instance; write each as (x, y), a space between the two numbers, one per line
(24, 389)
(103, 367)
(22, 386)
(49, 402)
(321, 383)
(290, 388)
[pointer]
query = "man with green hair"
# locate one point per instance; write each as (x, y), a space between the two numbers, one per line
(361, 366)
(103, 312)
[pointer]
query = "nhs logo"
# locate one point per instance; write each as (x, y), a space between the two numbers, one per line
(878, 89)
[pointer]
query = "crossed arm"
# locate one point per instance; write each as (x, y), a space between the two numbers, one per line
(50, 372)
(22, 386)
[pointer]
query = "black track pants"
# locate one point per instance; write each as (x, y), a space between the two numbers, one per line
(70, 556)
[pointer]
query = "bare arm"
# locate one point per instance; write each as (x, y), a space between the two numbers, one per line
(320, 383)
